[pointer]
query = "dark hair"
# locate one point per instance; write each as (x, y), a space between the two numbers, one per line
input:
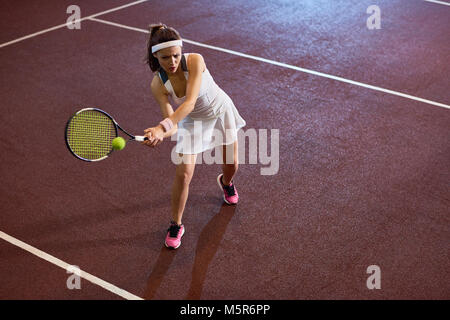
(159, 33)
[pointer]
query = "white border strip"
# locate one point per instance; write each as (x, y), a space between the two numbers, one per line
(288, 66)
(438, 2)
(106, 285)
(72, 22)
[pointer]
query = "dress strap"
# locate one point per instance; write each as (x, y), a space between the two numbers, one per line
(163, 75)
(184, 63)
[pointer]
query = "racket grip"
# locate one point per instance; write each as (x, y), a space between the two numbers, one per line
(140, 138)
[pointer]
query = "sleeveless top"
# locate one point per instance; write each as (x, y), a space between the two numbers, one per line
(204, 108)
(213, 122)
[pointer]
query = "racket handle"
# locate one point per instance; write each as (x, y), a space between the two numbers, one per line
(140, 138)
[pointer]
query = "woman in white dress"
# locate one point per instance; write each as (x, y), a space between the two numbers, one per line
(204, 119)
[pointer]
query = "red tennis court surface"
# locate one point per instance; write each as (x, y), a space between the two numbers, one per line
(363, 175)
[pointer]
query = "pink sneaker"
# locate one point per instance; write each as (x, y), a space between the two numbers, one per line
(174, 234)
(230, 194)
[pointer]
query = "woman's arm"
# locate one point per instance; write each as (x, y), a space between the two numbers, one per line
(196, 66)
(162, 97)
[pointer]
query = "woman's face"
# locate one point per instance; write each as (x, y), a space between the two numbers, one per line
(169, 58)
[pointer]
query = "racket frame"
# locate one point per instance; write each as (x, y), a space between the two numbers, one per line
(116, 126)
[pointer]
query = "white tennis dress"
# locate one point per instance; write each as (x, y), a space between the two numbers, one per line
(214, 121)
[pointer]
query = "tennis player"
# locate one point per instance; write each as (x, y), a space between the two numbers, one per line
(204, 110)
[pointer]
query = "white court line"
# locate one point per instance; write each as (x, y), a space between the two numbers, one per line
(106, 285)
(438, 2)
(288, 66)
(121, 25)
(66, 24)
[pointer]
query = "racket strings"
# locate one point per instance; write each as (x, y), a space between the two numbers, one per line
(90, 134)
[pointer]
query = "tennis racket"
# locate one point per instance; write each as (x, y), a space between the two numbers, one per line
(90, 132)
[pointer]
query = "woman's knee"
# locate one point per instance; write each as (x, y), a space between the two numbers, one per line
(184, 174)
(184, 178)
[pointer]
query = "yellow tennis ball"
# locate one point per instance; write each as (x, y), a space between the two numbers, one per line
(118, 143)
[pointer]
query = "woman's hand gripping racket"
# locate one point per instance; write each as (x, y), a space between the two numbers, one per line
(90, 133)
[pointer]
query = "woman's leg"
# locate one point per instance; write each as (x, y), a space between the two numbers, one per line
(230, 162)
(180, 189)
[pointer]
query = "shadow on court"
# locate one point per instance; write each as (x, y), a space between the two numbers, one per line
(207, 246)
(163, 263)
(208, 243)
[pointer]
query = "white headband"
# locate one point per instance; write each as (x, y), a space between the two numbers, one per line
(167, 44)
